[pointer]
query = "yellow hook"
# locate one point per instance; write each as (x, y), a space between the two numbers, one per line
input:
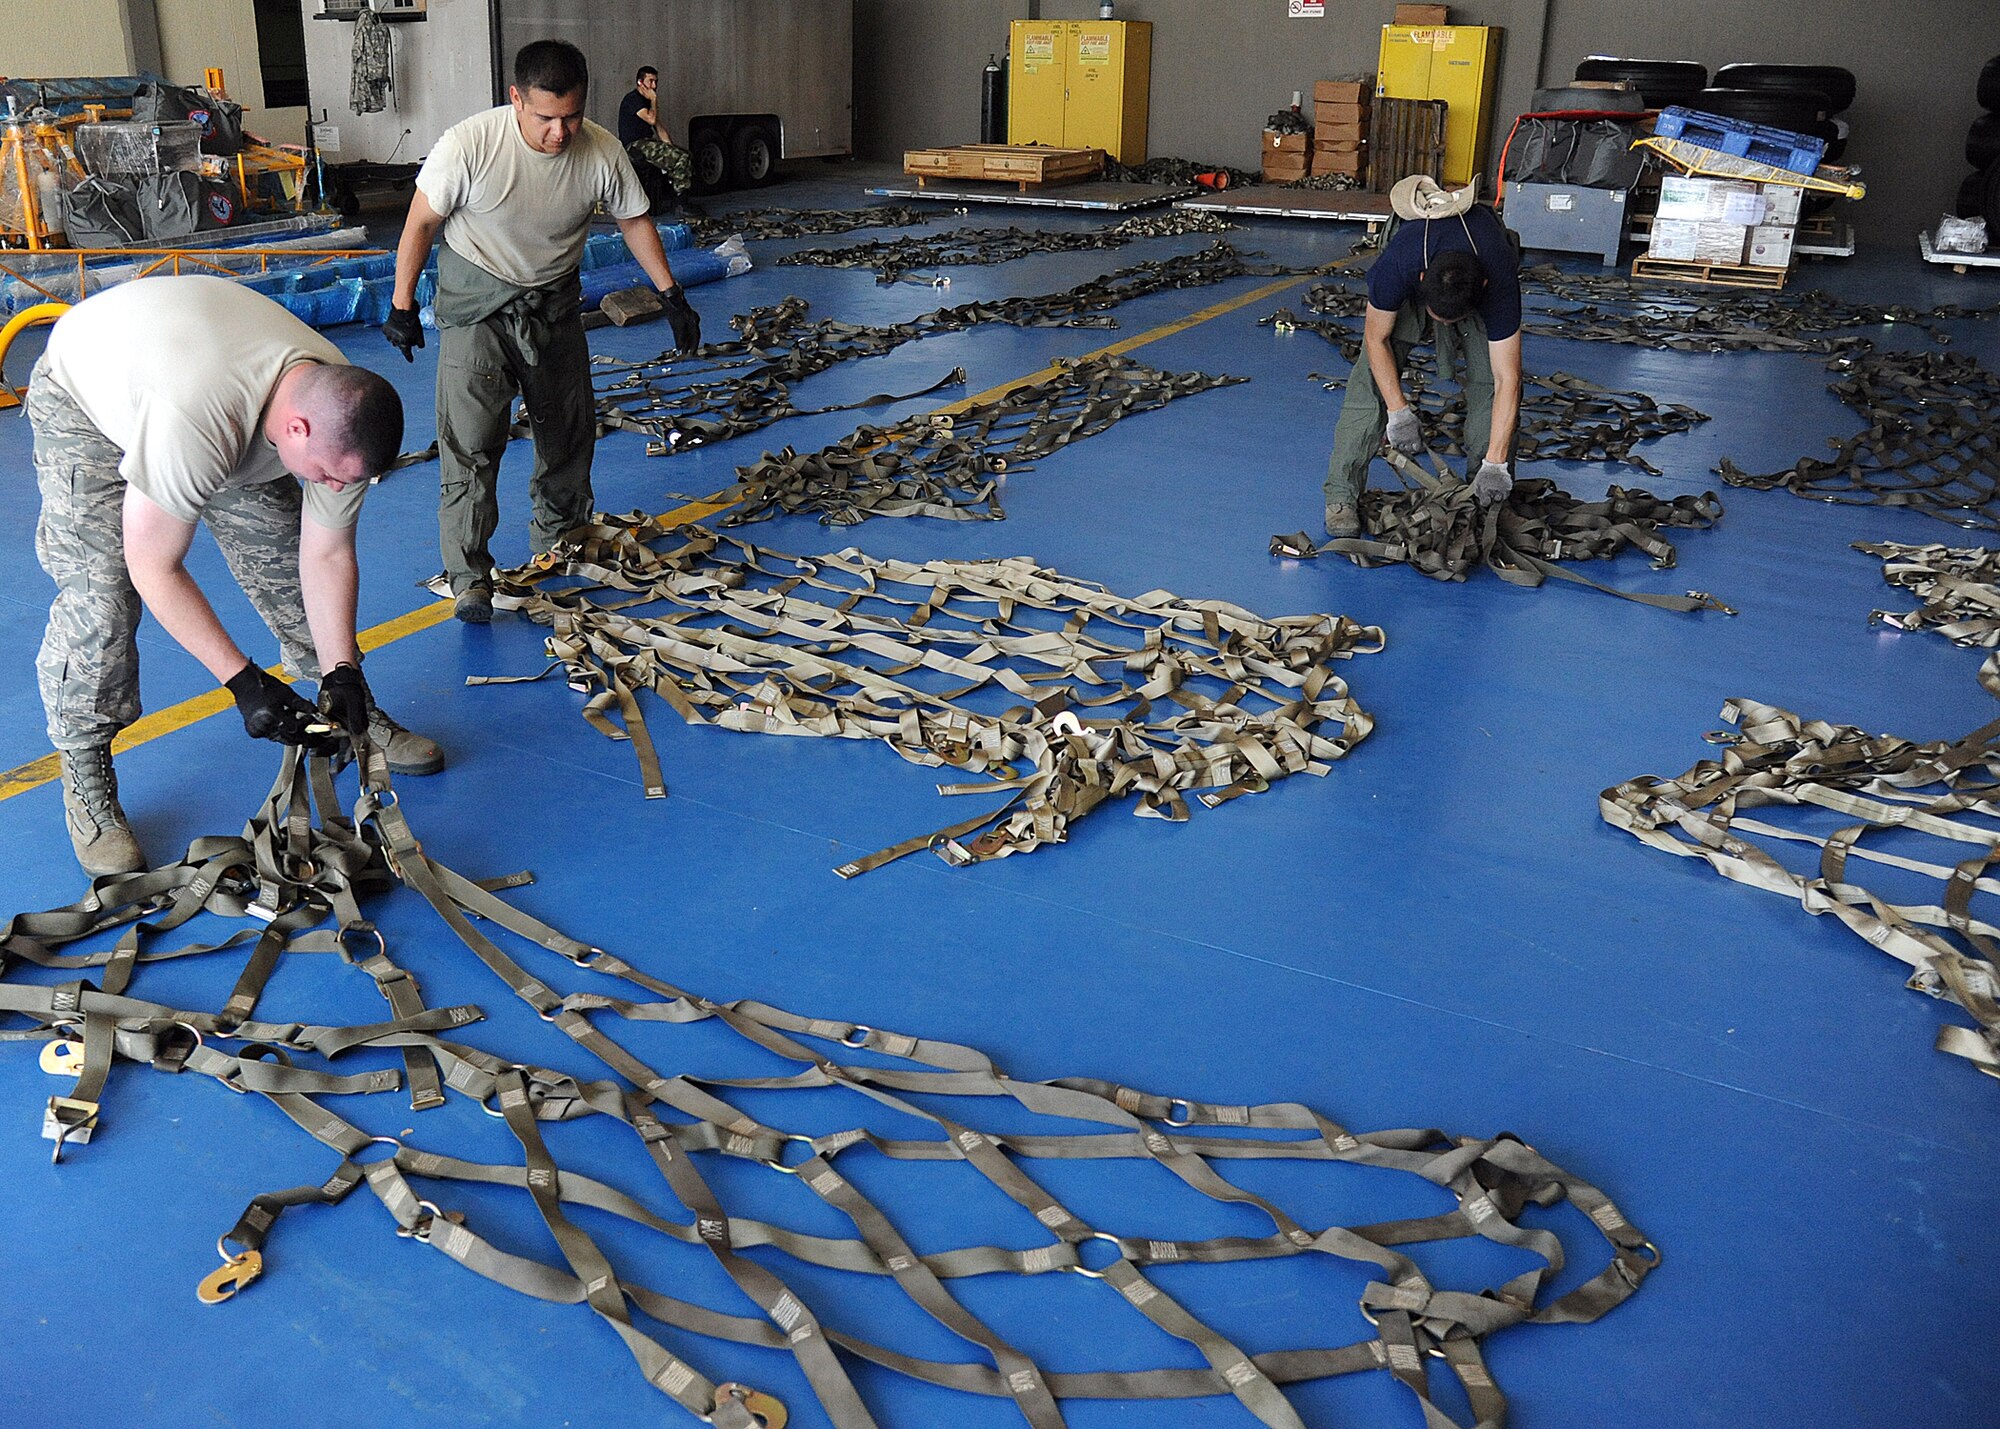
(770, 1412)
(235, 1272)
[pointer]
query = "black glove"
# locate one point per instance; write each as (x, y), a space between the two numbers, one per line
(404, 332)
(273, 710)
(682, 317)
(343, 699)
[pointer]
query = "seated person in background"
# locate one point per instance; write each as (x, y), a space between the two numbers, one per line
(1449, 273)
(653, 152)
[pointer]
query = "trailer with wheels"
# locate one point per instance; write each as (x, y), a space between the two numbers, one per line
(744, 84)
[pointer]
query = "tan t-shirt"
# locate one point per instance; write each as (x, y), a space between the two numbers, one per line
(176, 372)
(520, 214)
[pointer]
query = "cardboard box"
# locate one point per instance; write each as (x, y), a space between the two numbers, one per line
(1771, 245)
(1674, 238)
(1277, 142)
(1340, 114)
(1339, 134)
(1339, 146)
(1285, 167)
(1781, 203)
(1733, 201)
(1422, 15)
(1354, 163)
(1342, 91)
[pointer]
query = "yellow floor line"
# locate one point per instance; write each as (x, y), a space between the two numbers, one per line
(37, 772)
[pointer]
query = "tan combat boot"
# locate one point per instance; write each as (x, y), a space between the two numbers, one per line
(97, 828)
(407, 752)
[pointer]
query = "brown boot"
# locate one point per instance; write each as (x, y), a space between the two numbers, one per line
(97, 828)
(406, 751)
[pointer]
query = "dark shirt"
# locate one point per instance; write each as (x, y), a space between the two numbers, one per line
(631, 128)
(1393, 280)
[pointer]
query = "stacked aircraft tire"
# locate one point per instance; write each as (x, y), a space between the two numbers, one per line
(1805, 99)
(1979, 195)
(1661, 82)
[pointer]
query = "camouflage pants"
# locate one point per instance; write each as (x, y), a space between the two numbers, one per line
(88, 667)
(670, 159)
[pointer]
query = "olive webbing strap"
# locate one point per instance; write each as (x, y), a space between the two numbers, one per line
(1931, 442)
(1886, 785)
(771, 225)
(946, 466)
(1960, 591)
(1620, 309)
(894, 258)
(743, 642)
(1492, 1181)
(1435, 525)
(728, 389)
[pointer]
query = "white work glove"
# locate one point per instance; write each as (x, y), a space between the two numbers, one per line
(1404, 433)
(1492, 483)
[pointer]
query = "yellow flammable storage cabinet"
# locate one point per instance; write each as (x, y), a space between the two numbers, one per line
(1080, 84)
(1455, 63)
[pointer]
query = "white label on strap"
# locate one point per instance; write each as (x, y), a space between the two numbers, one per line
(1344, 1142)
(1231, 1115)
(1023, 1381)
(1404, 1357)
(456, 1243)
(1128, 1099)
(787, 1312)
(712, 1228)
(1138, 1292)
(900, 1263)
(826, 1183)
(460, 1076)
(1158, 1144)
(513, 1097)
(1038, 1260)
(1607, 1217)
(1481, 1210)
(802, 1334)
(897, 1046)
(1240, 1373)
(530, 990)
(833, 1031)
(1299, 1237)
(740, 1146)
(971, 1140)
(601, 1283)
(674, 1377)
(1053, 1216)
(1473, 1377)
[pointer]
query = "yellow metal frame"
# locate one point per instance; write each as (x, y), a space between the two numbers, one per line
(16, 325)
(1709, 163)
(177, 260)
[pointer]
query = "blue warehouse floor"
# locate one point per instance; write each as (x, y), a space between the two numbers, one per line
(1440, 933)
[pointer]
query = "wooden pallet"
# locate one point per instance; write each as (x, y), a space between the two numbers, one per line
(1722, 275)
(1029, 165)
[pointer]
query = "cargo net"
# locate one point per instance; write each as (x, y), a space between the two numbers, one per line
(788, 1122)
(1563, 417)
(1960, 591)
(1875, 806)
(728, 389)
(1054, 691)
(1178, 171)
(894, 259)
(769, 225)
(1617, 309)
(1432, 523)
(951, 464)
(1931, 442)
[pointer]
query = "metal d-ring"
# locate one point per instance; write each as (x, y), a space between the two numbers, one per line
(1085, 1271)
(864, 1033)
(1185, 1120)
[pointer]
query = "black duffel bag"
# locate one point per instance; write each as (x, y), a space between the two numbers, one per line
(177, 203)
(221, 120)
(1590, 153)
(103, 213)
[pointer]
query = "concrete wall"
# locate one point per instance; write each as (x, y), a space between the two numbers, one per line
(76, 37)
(1221, 66)
(443, 71)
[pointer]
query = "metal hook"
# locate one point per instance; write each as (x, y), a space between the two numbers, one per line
(769, 1412)
(235, 1272)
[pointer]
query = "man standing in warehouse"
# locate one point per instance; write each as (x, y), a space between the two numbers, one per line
(1449, 274)
(167, 401)
(643, 132)
(512, 191)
